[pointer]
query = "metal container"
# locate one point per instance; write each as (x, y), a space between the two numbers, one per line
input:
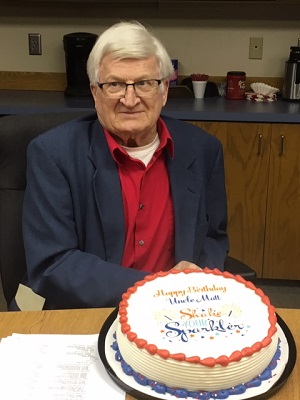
(291, 84)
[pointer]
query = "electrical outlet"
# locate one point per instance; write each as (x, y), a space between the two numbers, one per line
(256, 47)
(35, 44)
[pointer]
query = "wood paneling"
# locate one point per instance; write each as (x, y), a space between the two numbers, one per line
(51, 81)
(57, 81)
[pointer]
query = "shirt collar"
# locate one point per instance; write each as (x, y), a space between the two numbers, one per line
(119, 154)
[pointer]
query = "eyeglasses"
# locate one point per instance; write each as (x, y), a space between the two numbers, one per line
(117, 90)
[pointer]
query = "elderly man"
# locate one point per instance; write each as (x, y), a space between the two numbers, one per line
(124, 192)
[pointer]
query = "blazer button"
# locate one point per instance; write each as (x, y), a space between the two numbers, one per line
(141, 242)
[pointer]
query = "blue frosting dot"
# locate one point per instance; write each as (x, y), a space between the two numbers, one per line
(239, 389)
(115, 346)
(140, 379)
(158, 387)
(126, 368)
(180, 393)
(254, 383)
(118, 356)
(200, 395)
(267, 374)
(220, 394)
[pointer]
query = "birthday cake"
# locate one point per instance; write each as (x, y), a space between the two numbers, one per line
(195, 331)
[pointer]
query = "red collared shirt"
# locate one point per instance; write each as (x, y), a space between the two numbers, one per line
(148, 206)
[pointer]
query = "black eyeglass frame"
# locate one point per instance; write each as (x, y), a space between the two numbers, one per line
(100, 85)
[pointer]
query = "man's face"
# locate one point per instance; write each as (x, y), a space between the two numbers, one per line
(130, 118)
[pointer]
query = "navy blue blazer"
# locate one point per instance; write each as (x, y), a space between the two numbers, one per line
(73, 219)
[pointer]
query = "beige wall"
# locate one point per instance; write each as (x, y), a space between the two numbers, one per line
(212, 46)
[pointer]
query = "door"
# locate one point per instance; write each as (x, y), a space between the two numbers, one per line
(282, 245)
(246, 149)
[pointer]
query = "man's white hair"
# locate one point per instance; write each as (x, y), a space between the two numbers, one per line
(128, 40)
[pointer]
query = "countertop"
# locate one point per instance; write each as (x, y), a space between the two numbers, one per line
(208, 109)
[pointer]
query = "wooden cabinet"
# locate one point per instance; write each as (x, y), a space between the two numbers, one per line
(246, 157)
(282, 241)
(262, 166)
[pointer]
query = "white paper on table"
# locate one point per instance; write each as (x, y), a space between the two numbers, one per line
(54, 367)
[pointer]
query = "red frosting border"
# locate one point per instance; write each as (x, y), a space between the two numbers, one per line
(209, 361)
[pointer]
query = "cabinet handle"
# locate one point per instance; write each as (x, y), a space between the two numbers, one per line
(282, 141)
(260, 143)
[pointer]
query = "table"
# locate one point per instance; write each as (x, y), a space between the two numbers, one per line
(87, 321)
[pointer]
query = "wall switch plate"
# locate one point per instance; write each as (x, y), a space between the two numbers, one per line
(256, 48)
(35, 44)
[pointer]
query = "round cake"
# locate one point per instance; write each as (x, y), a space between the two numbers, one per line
(197, 330)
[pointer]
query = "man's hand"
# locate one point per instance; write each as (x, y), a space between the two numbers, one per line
(185, 265)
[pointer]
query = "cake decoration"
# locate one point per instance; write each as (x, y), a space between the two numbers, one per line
(182, 393)
(196, 331)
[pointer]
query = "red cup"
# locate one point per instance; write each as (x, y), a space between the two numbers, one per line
(236, 85)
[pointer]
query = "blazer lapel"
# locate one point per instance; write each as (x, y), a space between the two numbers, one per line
(185, 193)
(108, 195)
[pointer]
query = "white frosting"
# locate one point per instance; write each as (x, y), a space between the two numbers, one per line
(199, 315)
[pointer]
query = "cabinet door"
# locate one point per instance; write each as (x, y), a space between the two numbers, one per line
(246, 149)
(282, 245)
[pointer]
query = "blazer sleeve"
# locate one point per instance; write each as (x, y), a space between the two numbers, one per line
(57, 269)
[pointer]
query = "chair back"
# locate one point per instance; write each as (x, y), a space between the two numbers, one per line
(16, 131)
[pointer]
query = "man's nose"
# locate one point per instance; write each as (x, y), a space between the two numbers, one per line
(130, 98)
